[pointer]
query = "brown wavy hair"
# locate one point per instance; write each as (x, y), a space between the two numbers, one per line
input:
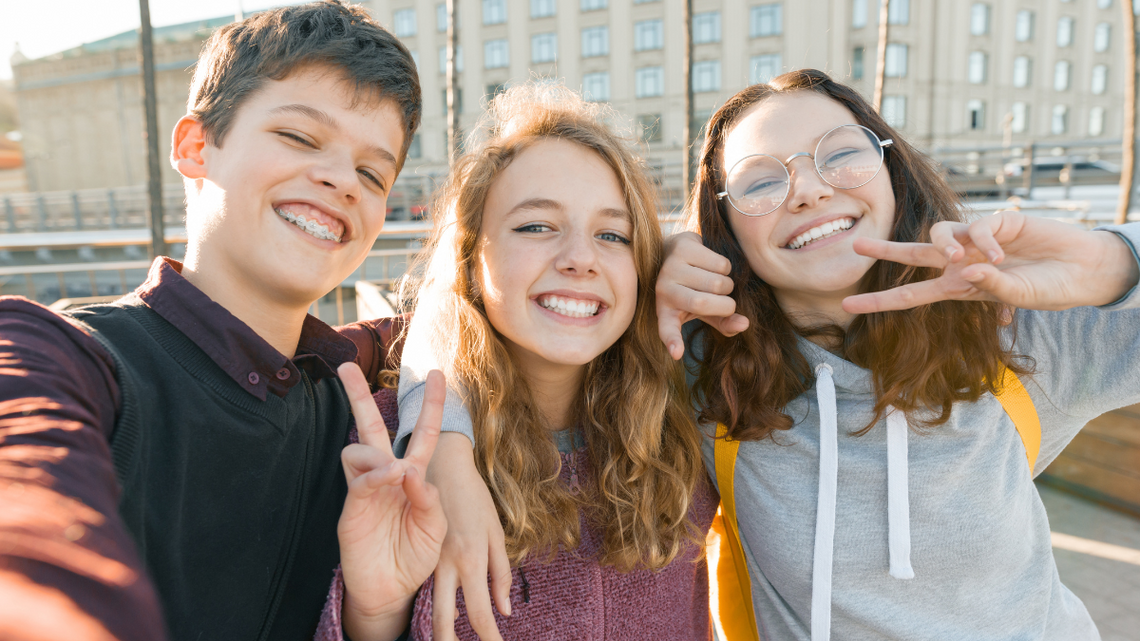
(639, 431)
(926, 358)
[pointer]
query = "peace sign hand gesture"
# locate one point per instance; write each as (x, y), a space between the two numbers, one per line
(1019, 260)
(392, 526)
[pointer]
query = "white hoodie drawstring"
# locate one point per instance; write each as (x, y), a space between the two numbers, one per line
(898, 501)
(825, 508)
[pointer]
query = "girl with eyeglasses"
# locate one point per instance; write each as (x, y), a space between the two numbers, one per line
(891, 376)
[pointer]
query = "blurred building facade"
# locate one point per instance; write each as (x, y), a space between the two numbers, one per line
(959, 73)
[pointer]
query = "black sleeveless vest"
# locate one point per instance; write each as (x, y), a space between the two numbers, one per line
(233, 502)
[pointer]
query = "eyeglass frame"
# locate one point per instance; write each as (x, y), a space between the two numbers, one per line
(883, 144)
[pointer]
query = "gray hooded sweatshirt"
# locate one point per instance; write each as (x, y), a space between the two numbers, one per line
(949, 540)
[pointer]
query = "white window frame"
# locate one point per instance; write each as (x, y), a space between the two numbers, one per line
(706, 76)
(1102, 37)
(596, 86)
(649, 82)
(544, 47)
(1065, 28)
(494, 11)
(441, 17)
(648, 35)
(1103, 4)
(1059, 124)
(894, 110)
(979, 19)
(593, 5)
(1020, 121)
(1024, 25)
(858, 14)
(765, 20)
(1022, 71)
(496, 54)
(898, 12)
(404, 23)
(458, 59)
(895, 66)
(706, 27)
(1099, 80)
(975, 115)
(1062, 75)
(978, 68)
(1096, 121)
(596, 41)
(764, 67)
(542, 8)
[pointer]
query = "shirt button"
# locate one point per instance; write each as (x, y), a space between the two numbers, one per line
(283, 374)
(254, 378)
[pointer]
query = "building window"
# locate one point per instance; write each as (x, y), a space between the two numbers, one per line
(644, 1)
(979, 19)
(896, 60)
(543, 47)
(1060, 122)
(1103, 4)
(1022, 71)
(766, 20)
(1096, 121)
(541, 8)
(458, 59)
(494, 90)
(1064, 31)
(976, 115)
(496, 54)
(494, 11)
(1102, 37)
(858, 14)
(404, 23)
(649, 127)
(898, 12)
(595, 41)
(441, 17)
(416, 59)
(857, 63)
(894, 111)
(979, 62)
(648, 34)
(593, 5)
(765, 67)
(1023, 26)
(458, 100)
(596, 86)
(1061, 73)
(1020, 121)
(1099, 79)
(706, 76)
(649, 82)
(706, 27)
(415, 148)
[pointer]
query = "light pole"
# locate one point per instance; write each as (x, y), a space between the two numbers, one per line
(150, 107)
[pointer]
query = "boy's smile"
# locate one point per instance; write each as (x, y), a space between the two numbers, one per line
(291, 201)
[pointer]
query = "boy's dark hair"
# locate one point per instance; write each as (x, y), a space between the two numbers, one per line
(240, 57)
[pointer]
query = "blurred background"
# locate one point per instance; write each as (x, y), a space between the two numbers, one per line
(1022, 103)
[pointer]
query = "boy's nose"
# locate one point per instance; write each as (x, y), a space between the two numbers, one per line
(340, 177)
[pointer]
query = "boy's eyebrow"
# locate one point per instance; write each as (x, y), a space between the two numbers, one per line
(323, 118)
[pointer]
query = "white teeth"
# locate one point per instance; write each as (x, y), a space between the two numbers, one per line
(822, 231)
(311, 227)
(574, 308)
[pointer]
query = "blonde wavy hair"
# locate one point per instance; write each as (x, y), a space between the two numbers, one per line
(641, 438)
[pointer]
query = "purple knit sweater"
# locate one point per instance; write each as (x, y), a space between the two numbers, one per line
(573, 597)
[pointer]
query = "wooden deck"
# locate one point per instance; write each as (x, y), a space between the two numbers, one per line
(1103, 462)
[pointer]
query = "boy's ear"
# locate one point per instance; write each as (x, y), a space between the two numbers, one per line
(186, 148)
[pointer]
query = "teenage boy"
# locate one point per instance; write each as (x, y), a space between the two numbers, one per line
(208, 393)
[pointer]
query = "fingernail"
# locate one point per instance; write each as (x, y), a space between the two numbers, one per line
(950, 251)
(994, 256)
(973, 278)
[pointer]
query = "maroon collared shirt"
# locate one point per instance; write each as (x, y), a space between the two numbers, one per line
(68, 566)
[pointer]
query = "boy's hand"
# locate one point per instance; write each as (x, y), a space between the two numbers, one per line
(474, 545)
(392, 525)
(1019, 260)
(694, 283)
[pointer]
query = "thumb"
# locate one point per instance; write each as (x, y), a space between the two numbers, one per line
(727, 325)
(669, 329)
(992, 281)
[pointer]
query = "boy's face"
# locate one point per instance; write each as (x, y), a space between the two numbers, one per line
(292, 201)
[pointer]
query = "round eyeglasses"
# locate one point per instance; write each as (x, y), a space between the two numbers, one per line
(846, 157)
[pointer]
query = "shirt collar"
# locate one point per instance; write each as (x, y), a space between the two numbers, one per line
(246, 357)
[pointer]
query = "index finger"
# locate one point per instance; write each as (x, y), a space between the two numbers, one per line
(426, 433)
(916, 254)
(369, 423)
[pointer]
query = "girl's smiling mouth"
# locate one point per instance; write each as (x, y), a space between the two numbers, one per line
(819, 232)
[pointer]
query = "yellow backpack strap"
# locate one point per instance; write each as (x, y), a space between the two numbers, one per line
(1019, 406)
(729, 583)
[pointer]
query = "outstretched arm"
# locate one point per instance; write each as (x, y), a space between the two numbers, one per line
(1019, 260)
(694, 283)
(392, 525)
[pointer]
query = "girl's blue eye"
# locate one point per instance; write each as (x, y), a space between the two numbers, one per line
(613, 237)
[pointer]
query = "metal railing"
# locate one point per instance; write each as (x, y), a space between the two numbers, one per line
(1017, 170)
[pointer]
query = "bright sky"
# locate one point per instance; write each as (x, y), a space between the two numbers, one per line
(45, 27)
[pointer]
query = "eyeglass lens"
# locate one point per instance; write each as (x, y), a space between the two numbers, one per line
(847, 157)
